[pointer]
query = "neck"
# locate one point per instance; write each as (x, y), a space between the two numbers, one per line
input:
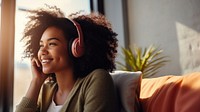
(65, 81)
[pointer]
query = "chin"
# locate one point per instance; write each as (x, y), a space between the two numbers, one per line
(45, 71)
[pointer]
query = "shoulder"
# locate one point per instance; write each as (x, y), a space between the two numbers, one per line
(98, 78)
(98, 74)
(98, 92)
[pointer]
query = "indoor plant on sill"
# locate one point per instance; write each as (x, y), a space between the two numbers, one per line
(148, 61)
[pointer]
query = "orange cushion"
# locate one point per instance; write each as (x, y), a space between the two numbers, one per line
(171, 93)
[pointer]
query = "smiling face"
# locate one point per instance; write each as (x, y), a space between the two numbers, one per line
(53, 52)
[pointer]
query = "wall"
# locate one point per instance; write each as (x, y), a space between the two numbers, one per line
(114, 13)
(174, 25)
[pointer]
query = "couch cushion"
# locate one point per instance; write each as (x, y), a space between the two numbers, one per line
(171, 93)
(128, 88)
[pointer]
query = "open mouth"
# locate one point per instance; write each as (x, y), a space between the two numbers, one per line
(45, 61)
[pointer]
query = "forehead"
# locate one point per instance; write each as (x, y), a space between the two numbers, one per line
(53, 32)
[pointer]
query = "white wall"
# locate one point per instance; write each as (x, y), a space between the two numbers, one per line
(174, 25)
(114, 13)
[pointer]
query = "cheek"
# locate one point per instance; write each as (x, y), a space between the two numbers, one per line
(62, 54)
(39, 55)
(65, 57)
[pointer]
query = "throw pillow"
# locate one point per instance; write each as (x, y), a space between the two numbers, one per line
(128, 89)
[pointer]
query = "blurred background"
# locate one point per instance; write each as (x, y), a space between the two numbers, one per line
(173, 25)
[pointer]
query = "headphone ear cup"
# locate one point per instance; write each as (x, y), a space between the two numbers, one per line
(76, 48)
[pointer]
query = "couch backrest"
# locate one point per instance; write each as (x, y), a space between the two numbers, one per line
(171, 93)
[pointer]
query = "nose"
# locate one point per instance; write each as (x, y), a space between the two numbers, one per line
(43, 51)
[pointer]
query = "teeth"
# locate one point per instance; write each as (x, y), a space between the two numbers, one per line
(45, 61)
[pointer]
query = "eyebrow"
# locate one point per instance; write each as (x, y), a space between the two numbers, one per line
(53, 38)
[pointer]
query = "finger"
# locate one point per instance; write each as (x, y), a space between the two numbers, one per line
(35, 62)
(38, 62)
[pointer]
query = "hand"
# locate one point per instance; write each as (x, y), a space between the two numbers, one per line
(36, 68)
(38, 79)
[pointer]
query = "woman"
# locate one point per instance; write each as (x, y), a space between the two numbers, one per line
(77, 55)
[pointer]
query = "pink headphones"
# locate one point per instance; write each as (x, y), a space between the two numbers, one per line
(77, 46)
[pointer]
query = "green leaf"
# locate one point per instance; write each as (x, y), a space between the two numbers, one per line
(148, 60)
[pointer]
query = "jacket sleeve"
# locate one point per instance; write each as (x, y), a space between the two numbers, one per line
(100, 95)
(26, 105)
(46, 92)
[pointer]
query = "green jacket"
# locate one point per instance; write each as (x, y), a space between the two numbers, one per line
(93, 93)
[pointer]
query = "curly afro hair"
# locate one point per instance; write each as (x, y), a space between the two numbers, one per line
(100, 40)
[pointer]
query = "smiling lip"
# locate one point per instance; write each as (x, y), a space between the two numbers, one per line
(45, 61)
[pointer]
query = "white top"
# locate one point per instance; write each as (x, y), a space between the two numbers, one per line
(54, 108)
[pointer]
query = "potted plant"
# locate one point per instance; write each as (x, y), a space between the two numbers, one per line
(147, 60)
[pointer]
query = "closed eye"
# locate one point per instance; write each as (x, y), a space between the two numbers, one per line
(52, 44)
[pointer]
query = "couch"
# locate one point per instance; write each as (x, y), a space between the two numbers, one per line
(161, 94)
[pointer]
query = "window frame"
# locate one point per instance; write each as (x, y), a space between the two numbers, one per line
(7, 55)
